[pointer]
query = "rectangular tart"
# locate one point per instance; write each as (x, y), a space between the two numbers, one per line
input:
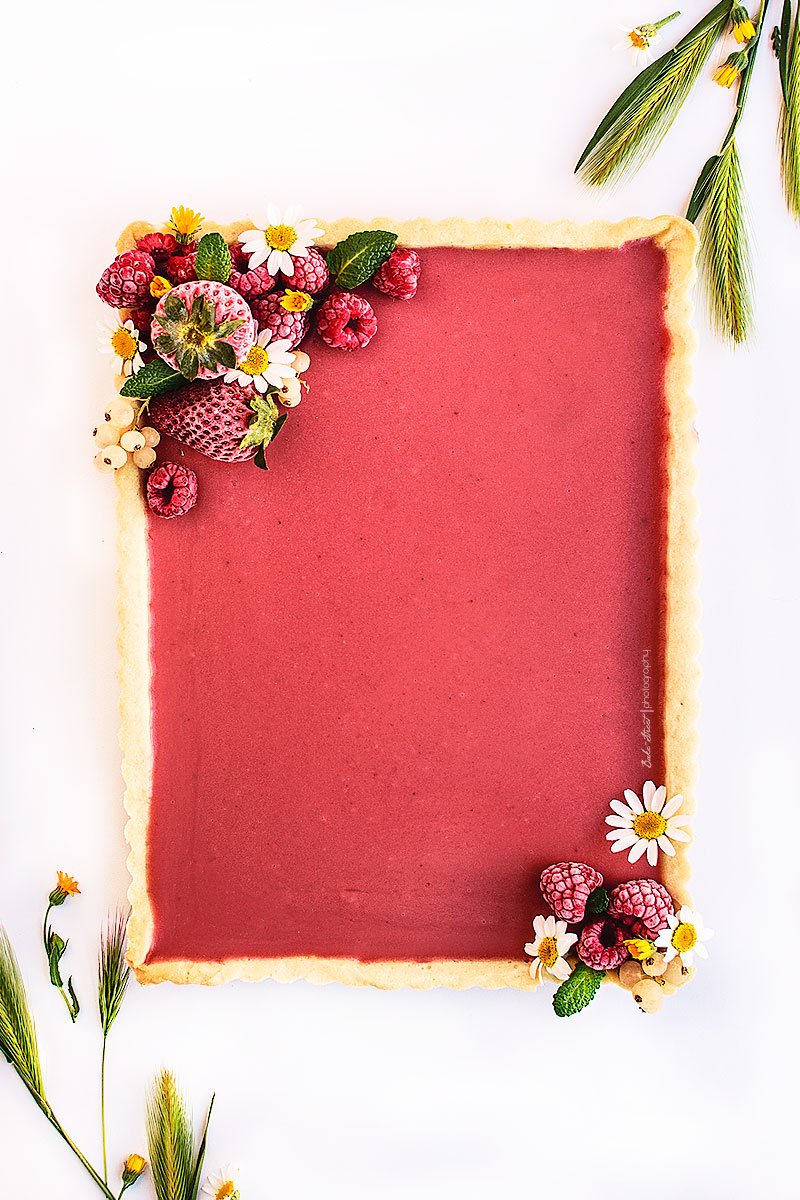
(368, 695)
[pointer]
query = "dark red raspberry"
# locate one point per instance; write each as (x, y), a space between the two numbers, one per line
(346, 321)
(171, 490)
(141, 318)
(180, 268)
(602, 944)
(310, 274)
(643, 904)
(566, 886)
(126, 283)
(247, 283)
(399, 275)
(160, 246)
(270, 314)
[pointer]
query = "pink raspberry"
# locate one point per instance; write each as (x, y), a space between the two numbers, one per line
(160, 246)
(126, 283)
(643, 904)
(270, 314)
(171, 490)
(310, 274)
(566, 886)
(346, 321)
(602, 944)
(180, 268)
(399, 275)
(248, 283)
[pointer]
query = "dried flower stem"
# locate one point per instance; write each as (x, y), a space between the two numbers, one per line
(113, 976)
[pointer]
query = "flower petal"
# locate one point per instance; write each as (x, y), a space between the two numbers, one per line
(560, 969)
(658, 799)
(652, 852)
(648, 791)
(620, 822)
(671, 806)
(666, 845)
(538, 925)
(622, 809)
(637, 851)
(634, 801)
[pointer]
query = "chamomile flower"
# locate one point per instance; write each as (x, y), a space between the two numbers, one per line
(727, 74)
(640, 39)
(267, 363)
(222, 1185)
(647, 825)
(122, 340)
(285, 235)
(742, 27)
(684, 937)
(548, 948)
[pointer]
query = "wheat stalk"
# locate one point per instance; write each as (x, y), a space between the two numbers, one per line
(789, 59)
(113, 976)
(175, 1167)
(638, 120)
(17, 1032)
(724, 260)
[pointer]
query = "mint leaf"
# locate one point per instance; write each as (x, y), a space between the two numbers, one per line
(356, 259)
(153, 379)
(213, 258)
(577, 991)
(597, 902)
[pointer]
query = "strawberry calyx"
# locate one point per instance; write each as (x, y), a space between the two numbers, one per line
(267, 419)
(193, 337)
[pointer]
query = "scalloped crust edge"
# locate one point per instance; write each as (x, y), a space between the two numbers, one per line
(678, 239)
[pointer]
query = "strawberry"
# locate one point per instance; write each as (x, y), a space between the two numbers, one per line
(225, 421)
(202, 329)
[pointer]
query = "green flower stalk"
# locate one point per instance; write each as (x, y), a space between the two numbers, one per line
(55, 946)
(789, 66)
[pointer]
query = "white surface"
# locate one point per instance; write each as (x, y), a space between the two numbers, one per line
(120, 111)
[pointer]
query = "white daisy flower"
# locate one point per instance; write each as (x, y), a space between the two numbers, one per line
(222, 1185)
(285, 235)
(647, 825)
(684, 937)
(548, 948)
(267, 362)
(640, 39)
(123, 340)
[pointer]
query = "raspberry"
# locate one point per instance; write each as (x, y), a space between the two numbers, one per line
(643, 904)
(171, 490)
(270, 314)
(346, 321)
(566, 886)
(310, 274)
(141, 318)
(602, 944)
(126, 283)
(180, 268)
(399, 275)
(160, 246)
(247, 283)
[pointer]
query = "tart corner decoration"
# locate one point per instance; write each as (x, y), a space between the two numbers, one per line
(206, 336)
(634, 934)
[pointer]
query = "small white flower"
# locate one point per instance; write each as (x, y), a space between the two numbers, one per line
(122, 340)
(284, 236)
(639, 39)
(647, 825)
(267, 362)
(548, 948)
(684, 937)
(222, 1185)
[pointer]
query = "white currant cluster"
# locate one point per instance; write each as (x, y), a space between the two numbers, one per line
(651, 979)
(120, 438)
(289, 394)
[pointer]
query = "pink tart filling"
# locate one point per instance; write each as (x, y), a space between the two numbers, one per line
(399, 674)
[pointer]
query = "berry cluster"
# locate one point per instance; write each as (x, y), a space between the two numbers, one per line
(209, 331)
(615, 931)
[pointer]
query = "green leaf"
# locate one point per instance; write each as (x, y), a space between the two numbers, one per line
(700, 193)
(213, 258)
(577, 991)
(783, 48)
(194, 1182)
(356, 259)
(56, 947)
(226, 328)
(262, 424)
(153, 379)
(260, 459)
(225, 354)
(76, 1008)
(174, 308)
(597, 902)
(278, 426)
(199, 310)
(189, 363)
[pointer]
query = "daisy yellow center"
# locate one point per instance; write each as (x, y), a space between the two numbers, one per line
(280, 237)
(684, 937)
(547, 951)
(638, 39)
(226, 1191)
(649, 825)
(124, 344)
(256, 362)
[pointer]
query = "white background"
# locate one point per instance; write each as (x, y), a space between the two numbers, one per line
(117, 111)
